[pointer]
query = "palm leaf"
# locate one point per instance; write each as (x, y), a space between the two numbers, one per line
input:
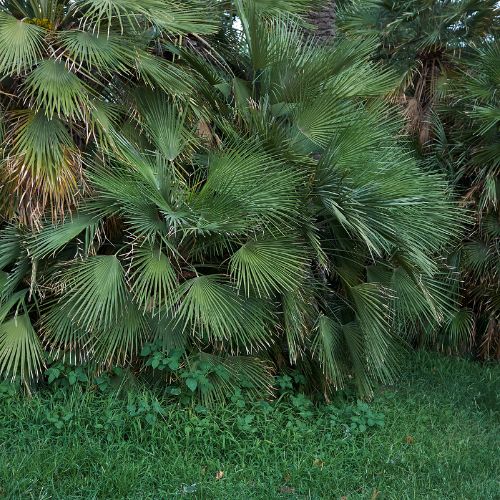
(279, 6)
(328, 347)
(120, 342)
(54, 89)
(105, 53)
(22, 44)
(247, 189)
(374, 318)
(215, 312)
(226, 374)
(165, 124)
(265, 264)
(168, 331)
(172, 16)
(54, 237)
(154, 279)
(160, 74)
(21, 353)
(459, 330)
(299, 311)
(43, 158)
(62, 336)
(354, 339)
(95, 291)
(10, 246)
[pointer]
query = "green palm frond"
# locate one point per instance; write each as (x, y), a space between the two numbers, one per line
(374, 319)
(104, 123)
(17, 277)
(172, 16)
(95, 291)
(167, 331)
(44, 165)
(324, 116)
(120, 342)
(165, 124)
(459, 330)
(279, 6)
(215, 312)
(10, 246)
(299, 312)
(266, 264)
(107, 12)
(373, 203)
(362, 80)
(247, 188)
(478, 257)
(193, 16)
(354, 339)
(62, 336)
(154, 279)
(56, 90)
(160, 74)
(22, 44)
(11, 302)
(328, 347)
(105, 53)
(229, 373)
(21, 353)
(54, 237)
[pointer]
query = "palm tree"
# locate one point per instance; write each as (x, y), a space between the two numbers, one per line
(69, 74)
(323, 18)
(468, 147)
(421, 41)
(446, 53)
(270, 222)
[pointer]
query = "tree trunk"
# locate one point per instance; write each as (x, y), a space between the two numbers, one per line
(323, 20)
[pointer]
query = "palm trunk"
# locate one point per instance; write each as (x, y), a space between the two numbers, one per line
(323, 20)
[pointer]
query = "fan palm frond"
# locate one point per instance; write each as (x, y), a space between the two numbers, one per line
(95, 291)
(21, 352)
(119, 343)
(53, 237)
(22, 44)
(106, 53)
(154, 279)
(329, 348)
(56, 90)
(265, 264)
(44, 163)
(215, 311)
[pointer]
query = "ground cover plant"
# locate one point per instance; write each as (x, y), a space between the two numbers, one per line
(434, 435)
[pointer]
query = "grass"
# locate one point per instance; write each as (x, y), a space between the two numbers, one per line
(440, 439)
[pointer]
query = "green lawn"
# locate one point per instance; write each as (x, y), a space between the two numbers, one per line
(440, 439)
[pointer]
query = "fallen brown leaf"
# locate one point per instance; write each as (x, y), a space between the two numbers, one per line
(409, 439)
(219, 475)
(317, 462)
(287, 489)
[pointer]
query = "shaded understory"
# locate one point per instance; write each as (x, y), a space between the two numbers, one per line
(440, 439)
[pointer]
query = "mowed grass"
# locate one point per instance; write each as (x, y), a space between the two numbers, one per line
(440, 440)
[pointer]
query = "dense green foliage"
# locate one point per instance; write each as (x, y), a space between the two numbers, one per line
(439, 439)
(269, 217)
(70, 72)
(447, 57)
